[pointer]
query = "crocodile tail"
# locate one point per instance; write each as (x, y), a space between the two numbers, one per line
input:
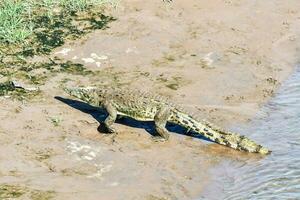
(229, 139)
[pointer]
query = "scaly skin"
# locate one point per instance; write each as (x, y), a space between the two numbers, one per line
(145, 107)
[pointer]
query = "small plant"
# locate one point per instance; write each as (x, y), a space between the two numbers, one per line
(56, 120)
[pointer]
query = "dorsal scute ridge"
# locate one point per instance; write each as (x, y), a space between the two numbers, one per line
(146, 94)
(216, 128)
(182, 109)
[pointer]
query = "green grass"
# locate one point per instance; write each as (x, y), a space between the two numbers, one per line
(13, 26)
(16, 16)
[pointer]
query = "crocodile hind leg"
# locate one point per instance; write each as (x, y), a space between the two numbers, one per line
(112, 116)
(160, 120)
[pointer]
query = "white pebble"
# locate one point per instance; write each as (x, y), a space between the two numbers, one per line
(64, 51)
(88, 60)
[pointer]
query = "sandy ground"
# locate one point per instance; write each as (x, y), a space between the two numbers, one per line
(220, 59)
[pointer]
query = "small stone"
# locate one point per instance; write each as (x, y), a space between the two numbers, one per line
(102, 57)
(64, 51)
(98, 64)
(209, 59)
(88, 60)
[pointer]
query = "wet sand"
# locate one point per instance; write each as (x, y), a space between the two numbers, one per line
(219, 59)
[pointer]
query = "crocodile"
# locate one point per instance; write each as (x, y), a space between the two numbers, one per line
(147, 107)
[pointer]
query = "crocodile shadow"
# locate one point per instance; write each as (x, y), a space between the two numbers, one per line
(100, 115)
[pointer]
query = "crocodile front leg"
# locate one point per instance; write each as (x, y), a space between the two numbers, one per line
(112, 116)
(160, 120)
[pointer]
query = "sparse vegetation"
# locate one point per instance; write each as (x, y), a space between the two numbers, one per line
(17, 191)
(173, 83)
(8, 89)
(44, 154)
(42, 195)
(11, 191)
(17, 18)
(34, 28)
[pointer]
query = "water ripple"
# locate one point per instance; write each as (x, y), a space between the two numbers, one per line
(277, 176)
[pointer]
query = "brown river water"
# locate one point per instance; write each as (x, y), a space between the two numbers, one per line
(276, 176)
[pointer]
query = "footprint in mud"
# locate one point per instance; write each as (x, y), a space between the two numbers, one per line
(82, 151)
(90, 154)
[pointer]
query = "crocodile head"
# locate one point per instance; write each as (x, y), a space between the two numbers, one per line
(86, 94)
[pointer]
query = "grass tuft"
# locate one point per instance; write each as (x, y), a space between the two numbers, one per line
(14, 27)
